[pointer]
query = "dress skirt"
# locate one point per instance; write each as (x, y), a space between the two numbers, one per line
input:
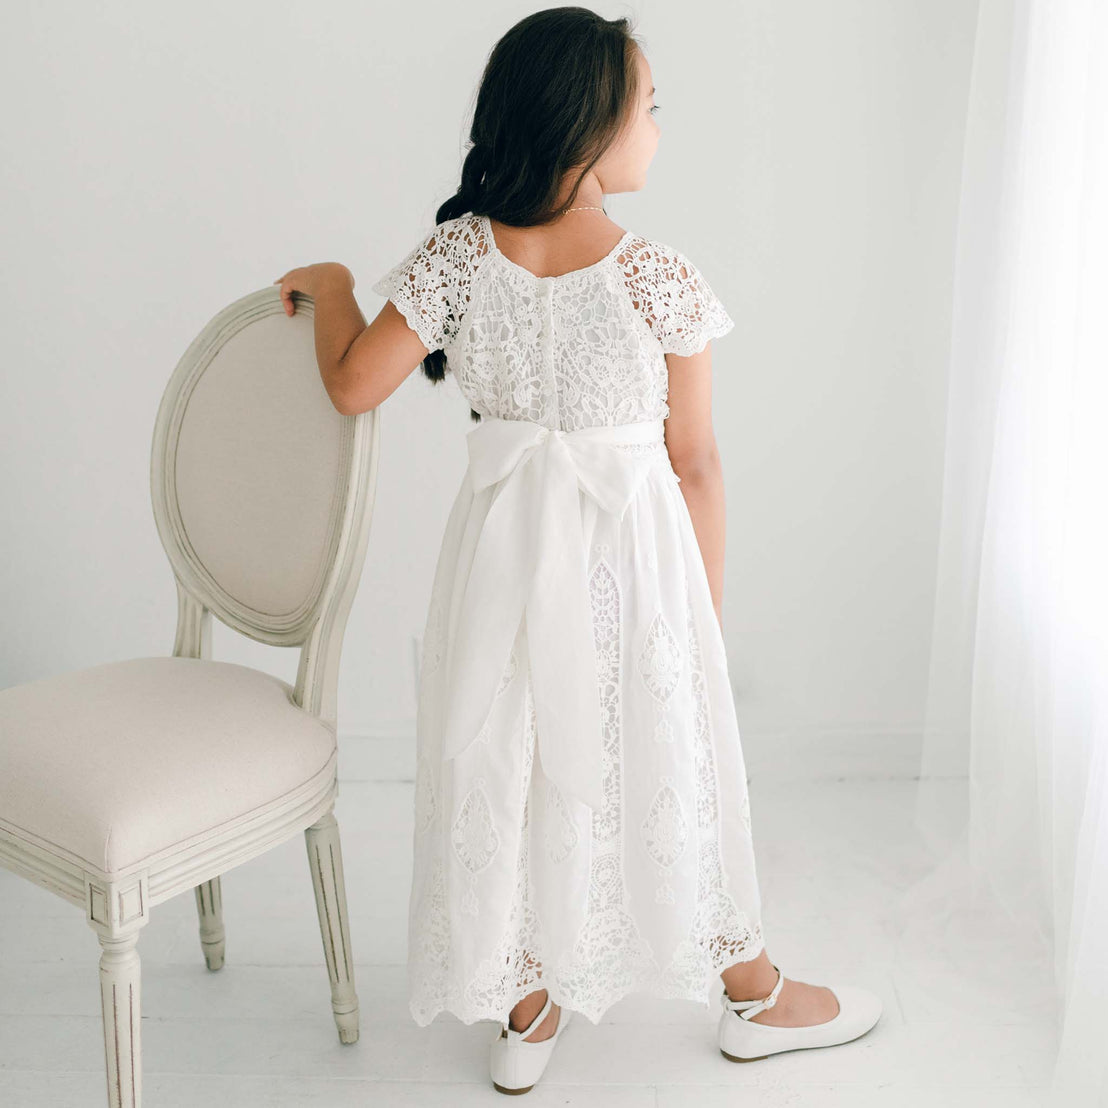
(519, 885)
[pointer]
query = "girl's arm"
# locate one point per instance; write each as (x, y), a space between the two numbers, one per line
(361, 365)
(694, 455)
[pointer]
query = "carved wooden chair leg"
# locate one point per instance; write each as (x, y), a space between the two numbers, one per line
(209, 905)
(325, 860)
(120, 994)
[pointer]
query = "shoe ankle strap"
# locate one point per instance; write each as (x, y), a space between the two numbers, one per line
(519, 1036)
(747, 1009)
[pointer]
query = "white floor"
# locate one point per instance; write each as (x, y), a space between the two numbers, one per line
(834, 848)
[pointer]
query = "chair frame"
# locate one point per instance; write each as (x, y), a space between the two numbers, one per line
(118, 905)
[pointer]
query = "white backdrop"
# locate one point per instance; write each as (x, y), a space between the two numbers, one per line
(163, 160)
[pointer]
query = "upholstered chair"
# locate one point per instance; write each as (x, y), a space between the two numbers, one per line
(130, 782)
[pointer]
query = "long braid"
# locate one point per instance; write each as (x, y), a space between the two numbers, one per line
(469, 191)
(471, 187)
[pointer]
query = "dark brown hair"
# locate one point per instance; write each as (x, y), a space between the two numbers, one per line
(557, 90)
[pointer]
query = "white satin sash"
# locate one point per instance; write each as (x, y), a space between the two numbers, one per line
(531, 558)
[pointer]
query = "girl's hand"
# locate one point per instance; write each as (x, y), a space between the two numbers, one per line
(309, 279)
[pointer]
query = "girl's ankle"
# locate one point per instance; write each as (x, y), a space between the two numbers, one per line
(530, 1009)
(752, 986)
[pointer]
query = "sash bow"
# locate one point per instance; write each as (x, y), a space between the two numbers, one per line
(530, 558)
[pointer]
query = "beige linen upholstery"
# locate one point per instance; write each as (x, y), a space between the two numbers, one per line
(129, 763)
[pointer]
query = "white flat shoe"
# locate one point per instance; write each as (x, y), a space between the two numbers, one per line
(516, 1065)
(740, 1040)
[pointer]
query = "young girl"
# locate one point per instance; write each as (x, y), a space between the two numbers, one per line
(582, 826)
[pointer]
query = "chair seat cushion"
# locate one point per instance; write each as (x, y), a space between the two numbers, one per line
(115, 764)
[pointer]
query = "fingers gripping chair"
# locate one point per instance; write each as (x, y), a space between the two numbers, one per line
(127, 783)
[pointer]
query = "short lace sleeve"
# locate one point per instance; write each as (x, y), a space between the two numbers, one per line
(430, 287)
(682, 310)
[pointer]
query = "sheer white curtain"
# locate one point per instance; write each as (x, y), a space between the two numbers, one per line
(1013, 795)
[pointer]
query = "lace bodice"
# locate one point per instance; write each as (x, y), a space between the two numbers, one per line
(582, 349)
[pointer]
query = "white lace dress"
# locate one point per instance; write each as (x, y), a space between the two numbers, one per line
(582, 821)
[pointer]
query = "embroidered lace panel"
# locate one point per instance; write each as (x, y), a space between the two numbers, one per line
(581, 349)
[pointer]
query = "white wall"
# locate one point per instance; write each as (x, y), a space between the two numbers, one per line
(163, 160)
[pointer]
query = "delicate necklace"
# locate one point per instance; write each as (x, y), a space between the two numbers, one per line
(583, 208)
